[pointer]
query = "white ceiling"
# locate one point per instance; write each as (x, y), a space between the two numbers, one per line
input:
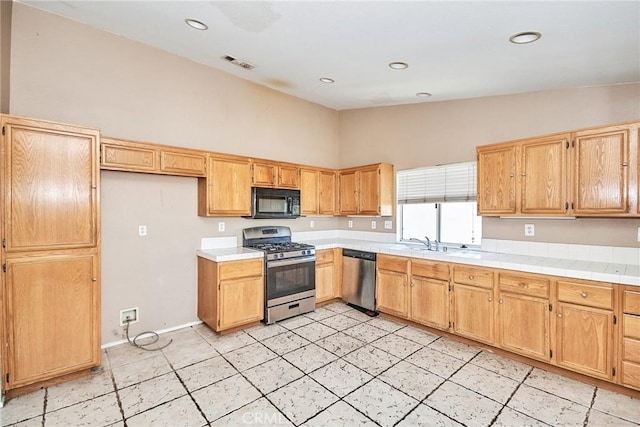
(455, 49)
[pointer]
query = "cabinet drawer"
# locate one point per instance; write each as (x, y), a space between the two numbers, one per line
(583, 294)
(182, 163)
(391, 263)
(631, 301)
(526, 285)
(130, 158)
(324, 256)
(631, 374)
(237, 269)
(631, 350)
(473, 276)
(431, 270)
(631, 326)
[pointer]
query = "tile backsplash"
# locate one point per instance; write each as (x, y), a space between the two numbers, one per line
(607, 254)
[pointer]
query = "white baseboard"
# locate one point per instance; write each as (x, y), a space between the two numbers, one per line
(160, 332)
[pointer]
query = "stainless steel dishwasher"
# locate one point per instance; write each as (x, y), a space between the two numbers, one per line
(359, 278)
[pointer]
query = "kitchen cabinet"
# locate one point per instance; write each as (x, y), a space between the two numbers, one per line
(429, 293)
(584, 327)
(367, 190)
(473, 303)
(630, 338)
(601, 171)
(231, 293)
(392, 279)
(524, 314)
(317, 192)
(579, 173)
(269, 174)
(226, 191)
(51, 250)
(328, 274)
(133, 156)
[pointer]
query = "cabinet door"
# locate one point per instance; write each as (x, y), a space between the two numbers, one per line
(584, 339)
(523, 325)
(264, 175)
(391, 293)
(182, 163)
(51, 178)
(601, 171)
(325, 275)
(327, 193)
(496, 180)
(369, 192)
(52, 312)
(430, 302)
(288, 177)
(473, 312)
(228, 187)
(543, 176)
(348, 193)
(130, 157)
(308, 191)
(241, 301)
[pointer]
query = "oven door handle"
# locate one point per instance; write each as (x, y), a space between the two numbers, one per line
(285, 262)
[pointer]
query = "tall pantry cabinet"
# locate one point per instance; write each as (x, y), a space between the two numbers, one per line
(50, 192)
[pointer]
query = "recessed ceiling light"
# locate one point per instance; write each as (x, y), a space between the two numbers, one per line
(326, 80)
(196, 24)
(423, 94)
(525, 37)
(398, 65)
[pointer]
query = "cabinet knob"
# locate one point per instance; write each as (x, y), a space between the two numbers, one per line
(470, 277)
(511, 175)
(559, 314)
(522, 174)
(501, 302)
(94, 279)
(489, 299)
(583, 295)
(412, 284)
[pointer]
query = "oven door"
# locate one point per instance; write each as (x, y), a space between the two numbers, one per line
(288, 278)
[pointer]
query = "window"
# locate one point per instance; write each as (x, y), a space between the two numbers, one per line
(440, 203)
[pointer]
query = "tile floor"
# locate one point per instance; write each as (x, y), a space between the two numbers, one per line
(334, 366)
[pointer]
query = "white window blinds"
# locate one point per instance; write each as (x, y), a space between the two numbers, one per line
(446, 183)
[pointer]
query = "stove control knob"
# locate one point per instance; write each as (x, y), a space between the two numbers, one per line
(281, 255)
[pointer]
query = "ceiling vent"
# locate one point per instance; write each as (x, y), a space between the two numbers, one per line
(239, 62)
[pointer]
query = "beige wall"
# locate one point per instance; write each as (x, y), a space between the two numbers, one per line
(434, 133)
(68, 72)
(6, 7)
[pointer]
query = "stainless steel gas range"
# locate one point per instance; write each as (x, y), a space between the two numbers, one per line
(290, 272)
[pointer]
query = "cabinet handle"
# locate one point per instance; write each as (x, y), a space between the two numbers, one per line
(490, 299)
(559, 315)
(583, 295)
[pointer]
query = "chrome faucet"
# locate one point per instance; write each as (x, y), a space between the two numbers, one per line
(427, 243)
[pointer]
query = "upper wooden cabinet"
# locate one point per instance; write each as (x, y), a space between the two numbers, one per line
(367, 190)
(268, 174)
(601, 171)
(51, 185)
(133, 156)
(318, 191)
(226, 191)
(581, 173)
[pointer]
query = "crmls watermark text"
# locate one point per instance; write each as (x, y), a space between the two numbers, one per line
(263, 418)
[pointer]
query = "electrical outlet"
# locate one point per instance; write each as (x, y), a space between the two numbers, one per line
(373, 225)
(142, 230)
(350, 224)
(388, 225)
(129, 315)
(312, 224)
(221, 226)
(638, 234)
(529, 230)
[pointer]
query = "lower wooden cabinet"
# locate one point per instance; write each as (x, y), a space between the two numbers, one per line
(584, 327)
(630, 342)
(230, 293)
(53, 317)
(429, 293)
(392, 291)
(473, 303)
(328, 274)
(524, 314)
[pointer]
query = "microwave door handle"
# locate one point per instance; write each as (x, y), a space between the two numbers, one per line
(289, 204)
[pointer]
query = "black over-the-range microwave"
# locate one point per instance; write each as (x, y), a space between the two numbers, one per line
(274, 203)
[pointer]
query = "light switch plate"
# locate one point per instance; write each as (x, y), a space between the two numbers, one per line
(529, 230)
(638, 234)
(312, 224)
(142, 230)
(350, 224)
(373, 225)
(221, 226)
(388, 225)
